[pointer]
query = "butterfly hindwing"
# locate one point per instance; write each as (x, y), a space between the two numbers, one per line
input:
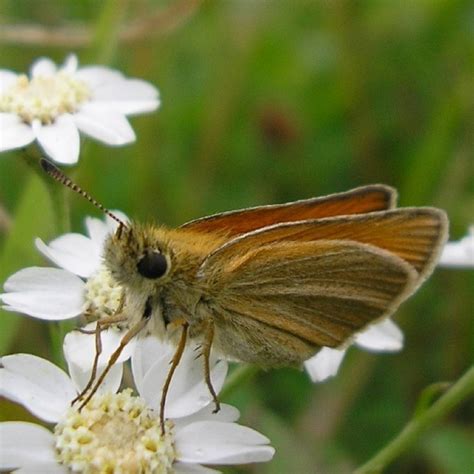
(320, 292)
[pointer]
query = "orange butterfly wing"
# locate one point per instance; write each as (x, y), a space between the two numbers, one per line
(316, 283)
(376, 197)
(321, 292)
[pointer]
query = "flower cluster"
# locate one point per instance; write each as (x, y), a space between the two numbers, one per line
(118, 431)
(54, 104)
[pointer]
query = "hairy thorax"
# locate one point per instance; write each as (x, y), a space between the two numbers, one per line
(176, 293)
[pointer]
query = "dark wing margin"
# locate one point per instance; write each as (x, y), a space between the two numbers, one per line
(375, 197)
(321, 292)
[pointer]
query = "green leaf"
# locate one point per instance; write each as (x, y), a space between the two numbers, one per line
(33, 218)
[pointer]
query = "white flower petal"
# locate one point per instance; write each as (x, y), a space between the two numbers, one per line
(112, 224)
(459, 254)
(227, 414)
(14, 133)
(148, 351)
(209, 442)
(43, 67)
(59, 140)
(94, 76)
(324, 364)
(46, 293)
(105, 125)
(80, 349)
(37, 384)
(151, 382)
(188, 398)
(97, 231)
(453, 255)
(130, 107)
(7, 78)
(126, 89)
(129, 96)
(44, 468)
(81, 377)
(70, 64)
(24, 443)
(188, 392)
(37, 279)
(183, 468)
(73, 252)
(381, 337)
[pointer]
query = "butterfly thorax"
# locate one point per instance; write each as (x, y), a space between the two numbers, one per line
(159, 265)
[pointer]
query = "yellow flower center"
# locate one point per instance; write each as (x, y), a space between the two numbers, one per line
(102, 296)
(44, 97)
(114, 433)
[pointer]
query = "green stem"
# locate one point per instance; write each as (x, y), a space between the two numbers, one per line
(60, 200)
(58, 194)
(458, 392)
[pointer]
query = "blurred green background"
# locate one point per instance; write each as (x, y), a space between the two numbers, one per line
(266, 102)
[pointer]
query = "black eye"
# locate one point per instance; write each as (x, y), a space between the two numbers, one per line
(152, 265)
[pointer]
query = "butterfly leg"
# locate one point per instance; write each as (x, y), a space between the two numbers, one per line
(174, 363)
(100, 326)
(129, 335)
(206, 352)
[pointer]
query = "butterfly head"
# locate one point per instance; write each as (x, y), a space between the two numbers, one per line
(139, 256)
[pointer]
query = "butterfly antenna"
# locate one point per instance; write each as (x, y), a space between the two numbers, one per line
(59, 176)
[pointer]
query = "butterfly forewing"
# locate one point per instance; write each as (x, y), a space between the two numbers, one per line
(413, 234)
(319, 292)
(375, 197)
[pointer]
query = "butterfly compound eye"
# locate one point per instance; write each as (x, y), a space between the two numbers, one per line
(152, 265)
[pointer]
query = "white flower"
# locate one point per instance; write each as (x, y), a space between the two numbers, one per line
(54, 104)
(119, 432)
(381, 337)
(80, 284)
(460, 253)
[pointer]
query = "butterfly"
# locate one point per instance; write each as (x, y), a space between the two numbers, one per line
(272, 285)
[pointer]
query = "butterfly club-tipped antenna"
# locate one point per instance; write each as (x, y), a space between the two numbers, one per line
(59, 176)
